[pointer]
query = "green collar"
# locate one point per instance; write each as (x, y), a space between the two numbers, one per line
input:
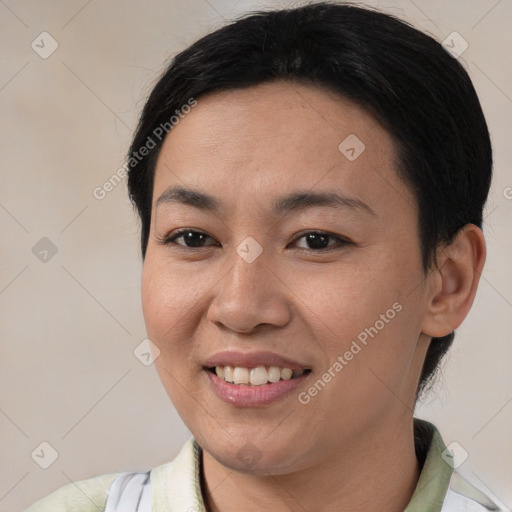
(435, 475)
(183, 474)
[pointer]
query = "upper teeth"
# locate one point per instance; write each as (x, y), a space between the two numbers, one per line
(255, 376)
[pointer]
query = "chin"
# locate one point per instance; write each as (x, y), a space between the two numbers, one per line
(252, 455)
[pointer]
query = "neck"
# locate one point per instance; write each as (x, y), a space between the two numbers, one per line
(376, 472)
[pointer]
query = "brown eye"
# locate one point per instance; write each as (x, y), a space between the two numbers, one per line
(319, 241)
(192, 239)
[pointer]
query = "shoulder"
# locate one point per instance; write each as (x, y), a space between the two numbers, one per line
(128, 490)
(440, 486)
(88, 495)
(463, 495)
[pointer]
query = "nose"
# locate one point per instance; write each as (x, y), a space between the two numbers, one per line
(249, 295)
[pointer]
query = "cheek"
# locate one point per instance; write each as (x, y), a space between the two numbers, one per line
(343, 301)
(169, 306)
(168, 296)
(367, 315)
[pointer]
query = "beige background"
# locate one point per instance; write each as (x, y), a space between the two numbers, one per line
(69, 325)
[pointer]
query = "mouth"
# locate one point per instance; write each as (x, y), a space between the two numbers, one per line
(254, 379)
(256, 376)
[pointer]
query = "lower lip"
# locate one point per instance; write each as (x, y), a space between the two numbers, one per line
(242, 395)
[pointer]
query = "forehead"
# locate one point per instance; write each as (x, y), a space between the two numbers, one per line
(280, 136)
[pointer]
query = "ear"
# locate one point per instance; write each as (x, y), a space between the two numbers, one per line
(454, 282)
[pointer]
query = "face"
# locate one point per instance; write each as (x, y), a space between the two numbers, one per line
(327, 283)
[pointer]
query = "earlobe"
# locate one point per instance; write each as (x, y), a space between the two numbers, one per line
(454, 282)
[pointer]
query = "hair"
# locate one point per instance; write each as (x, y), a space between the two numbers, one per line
(403, 77)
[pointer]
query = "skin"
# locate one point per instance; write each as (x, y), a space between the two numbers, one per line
(351, 447)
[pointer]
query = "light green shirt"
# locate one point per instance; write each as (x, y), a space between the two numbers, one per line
(175, 486)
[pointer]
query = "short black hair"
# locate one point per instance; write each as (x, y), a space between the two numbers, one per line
(419, 93)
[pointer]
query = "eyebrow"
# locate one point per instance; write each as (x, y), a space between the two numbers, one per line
(298, 200)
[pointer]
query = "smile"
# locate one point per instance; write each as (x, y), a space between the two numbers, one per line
(257, 376)
(246, 394)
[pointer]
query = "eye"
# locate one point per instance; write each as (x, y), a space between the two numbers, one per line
(193, 239)
(319, 241)
(316, 241)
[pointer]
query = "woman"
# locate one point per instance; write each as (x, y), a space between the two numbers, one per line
(310, 184)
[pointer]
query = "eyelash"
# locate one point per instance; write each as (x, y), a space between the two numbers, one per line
(341, 242)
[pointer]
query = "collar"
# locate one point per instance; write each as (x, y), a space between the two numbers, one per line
(436, 472)
(177, 484)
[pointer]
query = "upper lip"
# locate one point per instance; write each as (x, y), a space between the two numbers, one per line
(252, 360)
